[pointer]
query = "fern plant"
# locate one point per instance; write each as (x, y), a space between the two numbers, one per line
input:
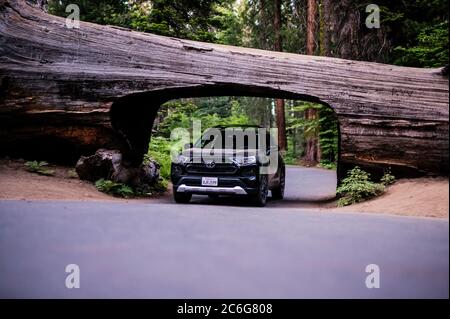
(39, 168)
(113, 188)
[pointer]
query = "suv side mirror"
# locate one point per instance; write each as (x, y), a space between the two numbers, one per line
(188, 145)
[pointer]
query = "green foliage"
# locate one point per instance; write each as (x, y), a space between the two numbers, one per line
(325, 126)
(298, 128)
(328, 165)
(431, 49)
(147, 190)
(417, 32)
(39, 168)
(232, 31)
(210, 111)
(113, 12)
(113, 188)
(290, 158)
(357, 187)
(159, 151)
(72, 173)
(387, 178)
(126, 191)
(328, 137)
(195, 20)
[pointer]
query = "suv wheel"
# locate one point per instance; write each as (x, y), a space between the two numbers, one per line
(181, 198)
(260, 199)
(278, 192)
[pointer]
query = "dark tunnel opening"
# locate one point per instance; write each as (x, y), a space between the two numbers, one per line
(133, 116)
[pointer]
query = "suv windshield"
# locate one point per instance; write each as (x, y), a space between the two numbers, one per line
(235, 138)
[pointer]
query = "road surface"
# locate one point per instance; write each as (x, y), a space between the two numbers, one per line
(164, 250)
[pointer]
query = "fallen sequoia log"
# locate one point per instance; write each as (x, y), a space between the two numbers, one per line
(72, 91)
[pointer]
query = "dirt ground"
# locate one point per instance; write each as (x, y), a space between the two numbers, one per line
(17, 183)
(425, 197)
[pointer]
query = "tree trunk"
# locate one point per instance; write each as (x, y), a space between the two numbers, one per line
(101, 87)
(281, 124)
(325, 25)
(279, 109)
(344, 34)
(312, 152)
(311, 27)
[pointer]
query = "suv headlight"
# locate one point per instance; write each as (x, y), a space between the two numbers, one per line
(181, 159)
(243, 160)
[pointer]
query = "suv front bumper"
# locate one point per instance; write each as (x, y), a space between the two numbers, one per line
(228, 185)
(244, 181)
(236, 190)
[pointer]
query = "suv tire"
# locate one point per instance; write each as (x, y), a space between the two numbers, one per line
(278, 192)
(181, 198)
(260, 199)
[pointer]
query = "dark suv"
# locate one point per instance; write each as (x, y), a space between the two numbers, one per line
(232, 160)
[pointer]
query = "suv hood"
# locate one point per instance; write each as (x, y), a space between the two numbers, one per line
(197, 152)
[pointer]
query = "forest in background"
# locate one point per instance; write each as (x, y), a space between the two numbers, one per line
(411, 33)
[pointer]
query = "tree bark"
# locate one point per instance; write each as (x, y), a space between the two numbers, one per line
(312, 152)
(311, 27)
(279, 103)
(101, 87)
(346, 37)
(325, 17)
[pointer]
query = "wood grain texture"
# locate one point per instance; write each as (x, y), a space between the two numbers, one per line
(100, 86)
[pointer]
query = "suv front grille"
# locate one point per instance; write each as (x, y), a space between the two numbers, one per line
(219, 168)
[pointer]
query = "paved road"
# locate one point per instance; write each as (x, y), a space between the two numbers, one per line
(163, 250)
(309, 184)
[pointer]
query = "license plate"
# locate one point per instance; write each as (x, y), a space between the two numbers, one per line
(209, 181)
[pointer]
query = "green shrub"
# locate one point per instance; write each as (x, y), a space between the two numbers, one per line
(387, 178)
(289, 159)
(327, 165)
(146, 190)
(159, 151)
(113, 188)
(123, 190)
(357, 187)
(39, 168)
(72, 173)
